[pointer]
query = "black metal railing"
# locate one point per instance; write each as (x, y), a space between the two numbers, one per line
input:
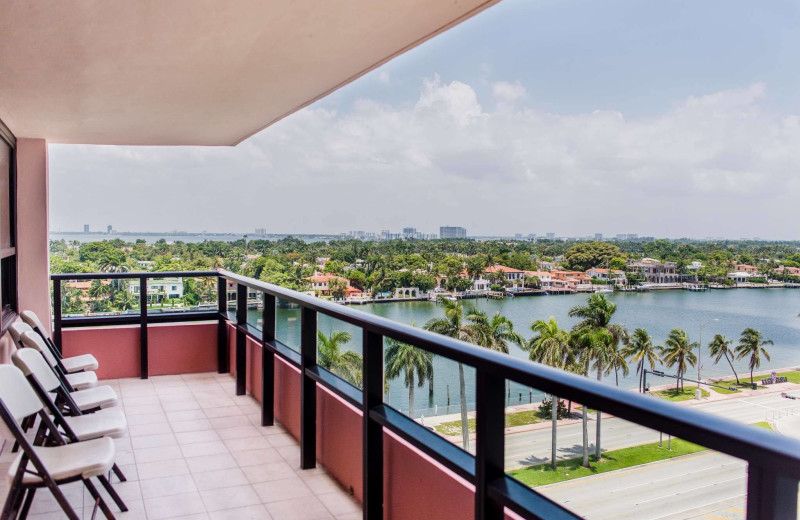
(773, 460)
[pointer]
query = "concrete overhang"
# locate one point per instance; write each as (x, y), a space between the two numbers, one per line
(193, 72)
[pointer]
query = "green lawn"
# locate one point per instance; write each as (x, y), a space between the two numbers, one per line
(543, 474)
(675, 395)
(512, 419)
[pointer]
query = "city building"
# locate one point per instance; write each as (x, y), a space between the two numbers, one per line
(158, 289)
(86, 229)
(261, 232)
(613, 276)
(598, 236)
(109, 229)
(551, 236)
(655, 271)
(745, 268)
(452, 232)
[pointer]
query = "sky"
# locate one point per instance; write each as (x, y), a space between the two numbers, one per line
(667, 119)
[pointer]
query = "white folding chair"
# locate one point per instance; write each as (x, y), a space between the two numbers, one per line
(36, 467)
(76, 381)
(85, 400)
(70, 364)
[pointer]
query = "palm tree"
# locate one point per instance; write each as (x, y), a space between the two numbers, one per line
(720, 347)
(494, 334)
(617, 361)
(402, 358)
(452, 325)
(596, 316)
(550, 346)
(641, 350)
(677, 351)
(751, 343)
(346, 364)
(587, 343)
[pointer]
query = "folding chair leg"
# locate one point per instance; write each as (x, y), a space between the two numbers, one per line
(113, 492)
(118, 472)
(13, 500)
(27, 505)
(61, 499)
(98, 499)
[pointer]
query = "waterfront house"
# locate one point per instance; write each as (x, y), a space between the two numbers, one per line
(745, 268)
(158, 289)
(512, 276)
(786, 270)
(741, 276)
(613, 276)
(655, 271)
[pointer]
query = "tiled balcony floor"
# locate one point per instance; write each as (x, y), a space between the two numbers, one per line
(196, 451)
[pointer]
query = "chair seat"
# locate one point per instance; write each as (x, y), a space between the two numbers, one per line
(82, 459)
(82, 380)
(97, 397)
(80, 363)
(103, 423)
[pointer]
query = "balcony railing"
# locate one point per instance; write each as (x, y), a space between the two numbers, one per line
(773, 461)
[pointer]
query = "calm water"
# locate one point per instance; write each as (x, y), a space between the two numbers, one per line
(772, 311)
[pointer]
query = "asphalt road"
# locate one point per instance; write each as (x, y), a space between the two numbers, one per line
(707, 485)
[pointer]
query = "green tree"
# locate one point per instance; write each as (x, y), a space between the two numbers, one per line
(408, 361)
(346, 364)
(677, 352)
(591, 254)
(337, 287)
(641, 350)
(751, 343)
(454, 325)
(589, 344)
(720, 347)
(550, 346)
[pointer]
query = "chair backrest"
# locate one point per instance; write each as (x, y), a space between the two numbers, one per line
(33, 320)
(32, 362)
(17, 394)
(33, 340)
(16, 330)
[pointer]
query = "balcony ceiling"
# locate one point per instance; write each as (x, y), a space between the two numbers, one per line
(193, 72)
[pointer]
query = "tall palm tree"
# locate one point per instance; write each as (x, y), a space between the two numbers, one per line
(641, 350)
(587, 343)
(677, 351)
(402, 358)
(346, 364)
(495, 333)
(550, 346)
(595, 316)
(751, 343)
(453, 325)
(720, 347)
(617, 361)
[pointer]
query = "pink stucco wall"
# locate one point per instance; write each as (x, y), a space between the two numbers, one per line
(172, 349)
(116, 349)
(33, 260)
(182, 348)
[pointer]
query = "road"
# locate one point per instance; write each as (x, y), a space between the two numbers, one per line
(533, 447)
(707, 485)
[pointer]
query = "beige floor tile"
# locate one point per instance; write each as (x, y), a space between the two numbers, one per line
(165, 486)
(142, 409)
(186, 415)
(339, 503)
(255, 512)
(307, 508)
(267, 472)
(258, 442)
(256, 457)
(211, 463)
(173, 506)
(223, 411)
(222, 423)
(147, 418)
(230, 497)
(180, 406)
(283, 489)
(153, 441)
(136, 430)
(239, 432)
(161, 453)
(220, 478)
(321, 483)
(198, 436)
(216, 402)
(191, 426)
(202, 449)
(162, 468)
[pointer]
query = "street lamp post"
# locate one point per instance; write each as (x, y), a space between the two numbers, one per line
(699, 393)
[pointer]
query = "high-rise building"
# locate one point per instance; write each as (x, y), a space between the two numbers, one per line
(109, 229)
(86, 229)
(598, 236)
(261, 232)
(551, 236)
(452, 232)
(409, 232)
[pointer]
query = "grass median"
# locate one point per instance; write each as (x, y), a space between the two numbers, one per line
(512, 419)
(672, 394)
(543, 474)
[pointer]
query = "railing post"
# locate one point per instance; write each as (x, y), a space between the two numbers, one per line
(57, 314)
(308, 389)
(770, 496)
(241, 340)
(143, 363)
(372, 469)
(489, 442)
(222, 326)
(267, 362)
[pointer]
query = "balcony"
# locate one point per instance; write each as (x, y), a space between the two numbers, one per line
(288, 405)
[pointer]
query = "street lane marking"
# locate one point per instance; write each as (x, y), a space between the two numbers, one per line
(693, 489)
(717, 517)
(733, 510)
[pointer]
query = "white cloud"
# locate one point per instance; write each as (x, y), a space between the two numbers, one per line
(715, 164)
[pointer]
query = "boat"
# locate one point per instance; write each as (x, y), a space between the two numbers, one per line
(604, 291)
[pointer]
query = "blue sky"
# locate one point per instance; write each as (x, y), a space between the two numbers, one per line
(659, 118)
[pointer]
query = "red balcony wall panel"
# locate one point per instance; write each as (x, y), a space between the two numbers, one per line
(339, 440)
(254, 368)
(183, 348)
(232, 349)
(116, 349)
(287, 396)
(416, 486)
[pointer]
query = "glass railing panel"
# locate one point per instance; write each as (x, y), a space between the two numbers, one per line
(287, 323)
(340, 348)
(179, 294)
(101, 297)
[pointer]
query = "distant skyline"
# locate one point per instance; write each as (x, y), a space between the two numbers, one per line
(573, 117)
